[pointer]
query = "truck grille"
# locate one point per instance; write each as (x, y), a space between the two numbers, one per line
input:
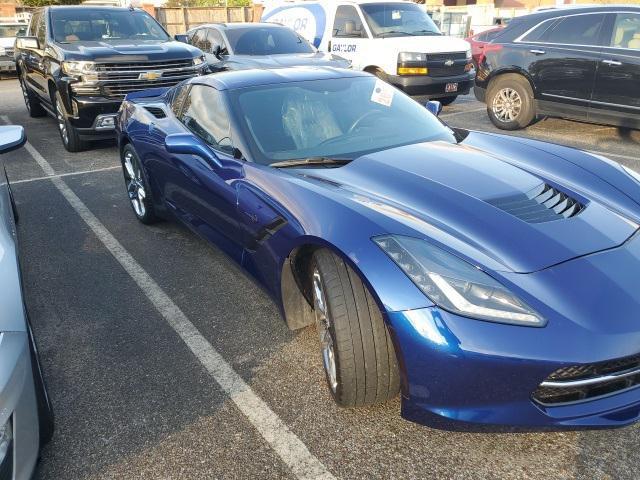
(119, 79)
(436, 63)
(588, 381)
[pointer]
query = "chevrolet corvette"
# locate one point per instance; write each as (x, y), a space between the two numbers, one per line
(487, 279)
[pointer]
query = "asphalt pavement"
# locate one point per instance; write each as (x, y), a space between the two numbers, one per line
(140, 329)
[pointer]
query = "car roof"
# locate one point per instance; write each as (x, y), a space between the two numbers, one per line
(576, 9)
(89, 8)
(237, 25)
(233, 79)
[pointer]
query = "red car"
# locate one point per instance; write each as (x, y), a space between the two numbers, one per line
(479, 40)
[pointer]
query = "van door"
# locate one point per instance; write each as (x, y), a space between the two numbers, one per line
(349, 35)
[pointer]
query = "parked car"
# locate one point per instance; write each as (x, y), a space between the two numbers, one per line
(479, 40)
(396, 40)
(78, 63)
(491, 279)
(235, 46)
(26, 416)
(8, 34)
(577, 63)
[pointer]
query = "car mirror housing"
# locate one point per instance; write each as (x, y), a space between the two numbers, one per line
(12, 137)
(27, 42)
(434, 107)
(181, 38)
(187, 144)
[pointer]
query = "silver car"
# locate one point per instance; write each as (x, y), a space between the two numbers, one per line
(26, 417)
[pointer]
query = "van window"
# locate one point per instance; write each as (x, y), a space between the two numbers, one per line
(398, 19)
(348, 23)
(626, 31)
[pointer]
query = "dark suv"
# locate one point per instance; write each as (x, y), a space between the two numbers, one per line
(578, 63)
(78, 63)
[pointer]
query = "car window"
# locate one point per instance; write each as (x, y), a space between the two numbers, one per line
(199, 39)
(41, 31)
(179, 94)
(347, 23)
(205, 114)
(626, 31)
(576, 30)
(492, 34)
(539, 31)
(266, 40)
(33, 24)
(8, 31)
(214, 38)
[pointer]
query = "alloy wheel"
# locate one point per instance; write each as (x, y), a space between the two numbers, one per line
(507, 105)
(62, 124)
(323, 324)
(135, 184)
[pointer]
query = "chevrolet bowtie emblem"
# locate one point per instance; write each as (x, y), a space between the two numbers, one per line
(152, 75)
(449, 63)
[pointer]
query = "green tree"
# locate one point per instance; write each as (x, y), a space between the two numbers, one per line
(44, 3)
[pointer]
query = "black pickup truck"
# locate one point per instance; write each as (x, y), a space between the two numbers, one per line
(78, 63)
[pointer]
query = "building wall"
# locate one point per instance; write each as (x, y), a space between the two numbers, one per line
(7, 10)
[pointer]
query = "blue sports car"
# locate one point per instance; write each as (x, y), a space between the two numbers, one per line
(488, 279)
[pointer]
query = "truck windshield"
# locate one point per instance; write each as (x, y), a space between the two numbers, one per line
(79, 25)
(340, 117)
(398, 19)
(8, 31)
(266, 41)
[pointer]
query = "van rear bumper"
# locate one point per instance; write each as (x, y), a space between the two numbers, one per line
(432, 87)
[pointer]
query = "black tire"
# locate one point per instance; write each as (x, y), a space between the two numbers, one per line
(138, 191)
(366, 367)
(510, 102)
(31, 99)
(68, 133)
(445, 101)
(46, 418)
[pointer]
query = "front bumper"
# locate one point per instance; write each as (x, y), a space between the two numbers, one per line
(86, 112)
(7, 65)
(18, 402)
(433, 87)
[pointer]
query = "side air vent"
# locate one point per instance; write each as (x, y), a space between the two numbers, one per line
(156, 112)
(542, 204)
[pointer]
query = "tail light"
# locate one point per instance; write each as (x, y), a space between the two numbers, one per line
(489, 47)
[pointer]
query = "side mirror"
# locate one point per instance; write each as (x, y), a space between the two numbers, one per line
(217, 51)
(27, 43)
(434, 107)
(181, 38)
(12, 137)
(187, 144)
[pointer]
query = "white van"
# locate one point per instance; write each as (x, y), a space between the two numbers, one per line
(395, 40)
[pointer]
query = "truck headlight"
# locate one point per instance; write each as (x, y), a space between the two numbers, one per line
(6, 437)
(455, 285)
(199, 60)
(78, 68)
(411, 57)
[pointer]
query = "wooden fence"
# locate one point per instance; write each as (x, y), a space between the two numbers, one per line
(181, 19)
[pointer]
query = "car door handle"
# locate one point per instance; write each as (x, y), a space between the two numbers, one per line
(613, 63)
(538, 52)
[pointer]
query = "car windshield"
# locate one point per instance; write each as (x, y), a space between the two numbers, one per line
(340, 118)
(76, 25)
(398, 19)
(266, 41)
(7, 31)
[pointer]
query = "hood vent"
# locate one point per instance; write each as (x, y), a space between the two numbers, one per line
(542, 204)
(156, 112)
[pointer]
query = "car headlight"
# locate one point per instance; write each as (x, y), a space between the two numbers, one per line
(412, 57)
(632, 173)
(6, 436)
(78, 68)
(455, 285)
(199, 60)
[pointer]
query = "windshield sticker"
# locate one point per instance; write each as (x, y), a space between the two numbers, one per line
(382, 93)
(395, 15)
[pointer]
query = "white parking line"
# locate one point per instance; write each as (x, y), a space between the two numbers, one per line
(69, 174)
(283, 441)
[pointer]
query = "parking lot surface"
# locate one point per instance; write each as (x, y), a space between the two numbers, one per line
(139, 393)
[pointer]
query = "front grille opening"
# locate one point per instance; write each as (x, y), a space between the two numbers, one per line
(156, 112)
(589, 381)
(542, 204)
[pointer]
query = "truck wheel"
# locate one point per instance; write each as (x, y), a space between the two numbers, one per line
(447, 100)
(68, 133)
(510, 103)
(137, 186)
(31, 100)
(357, 352)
